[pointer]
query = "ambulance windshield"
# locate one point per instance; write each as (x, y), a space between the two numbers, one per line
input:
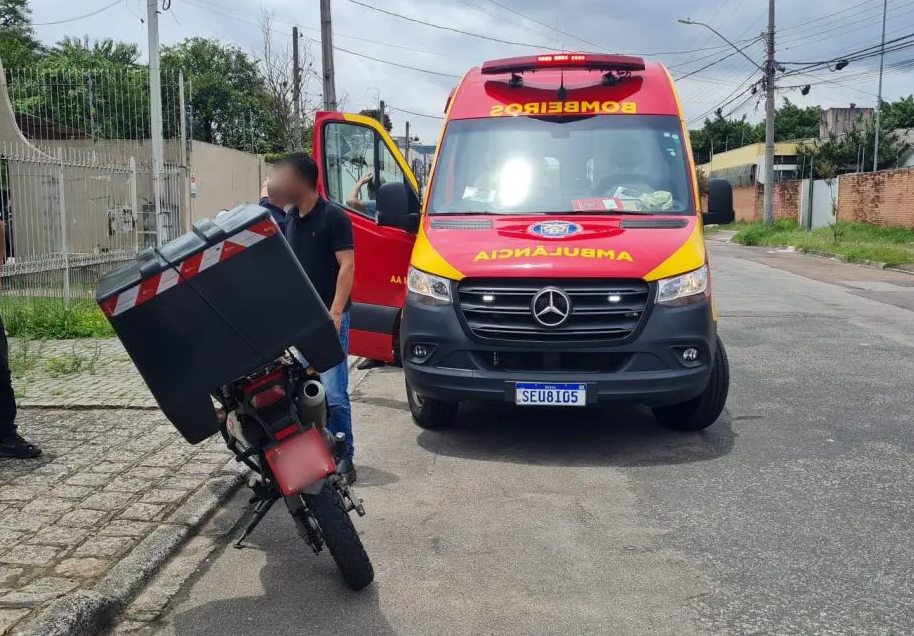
(632, 164)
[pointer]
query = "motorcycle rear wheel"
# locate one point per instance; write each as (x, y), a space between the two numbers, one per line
(341, 537)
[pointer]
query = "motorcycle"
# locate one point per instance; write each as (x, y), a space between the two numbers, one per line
(275, 421)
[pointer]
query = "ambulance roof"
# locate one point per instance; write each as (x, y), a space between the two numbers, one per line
(644, 92)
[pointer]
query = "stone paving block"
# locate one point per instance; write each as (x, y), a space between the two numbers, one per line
(143, 512)
(150, 473)
(106, 501)
(109, 467)
(81, 518)
(30, 554)
(127, 485)
(24, 521)
(8, 574)
(68, 491)
(82, 568)
(163, 496)
(182, 483)
(59, 535)
(49, 505)
(9, 538)
(121, 455)
(88, 479)
(54, 469)
(9, 617)
(40, 591)
(125, 528)
(16, 493)
(104, 547)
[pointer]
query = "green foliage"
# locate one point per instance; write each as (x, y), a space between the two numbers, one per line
(48, 319)
(898, 114)
(859, 241)
(844, 153)
(18, 45)
(373, 113)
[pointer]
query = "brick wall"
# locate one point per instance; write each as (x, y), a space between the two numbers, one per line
(881, 198)
(786, 197)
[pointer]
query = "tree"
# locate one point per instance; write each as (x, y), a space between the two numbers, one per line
(792, 123)
(229, 98)
(19, 47)
(373, 113)
(899, 114)
(854, 151)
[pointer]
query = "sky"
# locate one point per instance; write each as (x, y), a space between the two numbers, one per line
(806, 31)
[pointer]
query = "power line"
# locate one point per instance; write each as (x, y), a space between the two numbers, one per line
(409, 112)
(335, 48)
(552, 28)
(447, 28)
(411, 68)
(79, 17)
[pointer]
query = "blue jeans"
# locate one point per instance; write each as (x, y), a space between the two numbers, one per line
(336, 385)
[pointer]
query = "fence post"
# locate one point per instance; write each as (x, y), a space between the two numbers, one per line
(64, 243)
(138, 219)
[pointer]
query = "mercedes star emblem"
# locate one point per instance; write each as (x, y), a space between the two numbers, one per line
(551, 307)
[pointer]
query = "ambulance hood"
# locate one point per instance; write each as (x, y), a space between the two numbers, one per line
(559, 246)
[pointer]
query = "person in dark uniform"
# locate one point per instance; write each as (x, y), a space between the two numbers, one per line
(320, 234)
(11, 443)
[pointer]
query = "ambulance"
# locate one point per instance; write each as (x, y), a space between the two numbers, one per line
(557, 258)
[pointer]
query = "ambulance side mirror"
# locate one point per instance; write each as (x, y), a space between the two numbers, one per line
(397, 207)
(720, 203)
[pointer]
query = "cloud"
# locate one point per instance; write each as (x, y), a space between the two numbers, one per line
(812, 30)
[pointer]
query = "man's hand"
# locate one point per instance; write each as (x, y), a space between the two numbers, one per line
(365, 179)
(263, 188)
(337, 317)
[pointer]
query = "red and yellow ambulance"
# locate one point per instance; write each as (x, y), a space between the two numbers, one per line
(558, 256)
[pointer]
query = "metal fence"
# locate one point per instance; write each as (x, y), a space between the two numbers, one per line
(78, 199)
(71, 215)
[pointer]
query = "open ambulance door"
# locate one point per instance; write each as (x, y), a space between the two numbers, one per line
(347, 148)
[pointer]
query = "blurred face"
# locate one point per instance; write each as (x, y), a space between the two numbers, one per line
(292, 183)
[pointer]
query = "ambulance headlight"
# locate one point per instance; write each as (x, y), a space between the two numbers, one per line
(428, 289)
(685, 289)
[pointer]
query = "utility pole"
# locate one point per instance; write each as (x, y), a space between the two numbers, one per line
(327, 51)
(381, 113)
(155, 114)
(885, 6)
(296, 92)
(406, 145)
(769, 121)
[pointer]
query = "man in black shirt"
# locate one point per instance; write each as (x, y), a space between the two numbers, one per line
(320, 234)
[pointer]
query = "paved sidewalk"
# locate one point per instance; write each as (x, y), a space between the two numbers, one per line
(114, 474)
(106, 480)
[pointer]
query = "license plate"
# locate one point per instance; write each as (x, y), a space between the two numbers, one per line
(539, 394)
(300, 461)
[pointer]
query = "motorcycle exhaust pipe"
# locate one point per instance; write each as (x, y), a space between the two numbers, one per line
(312, 404)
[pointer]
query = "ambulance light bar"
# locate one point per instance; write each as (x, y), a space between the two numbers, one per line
(563, 61)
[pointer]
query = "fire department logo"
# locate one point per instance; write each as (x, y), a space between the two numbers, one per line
(554, 229)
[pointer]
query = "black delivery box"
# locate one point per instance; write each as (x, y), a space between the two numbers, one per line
(212, 306)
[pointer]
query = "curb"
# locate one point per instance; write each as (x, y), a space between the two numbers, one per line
(86, 612)
(835, 257)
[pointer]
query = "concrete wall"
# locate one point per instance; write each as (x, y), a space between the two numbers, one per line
(225, 178)
(883, 198)
(839, 121)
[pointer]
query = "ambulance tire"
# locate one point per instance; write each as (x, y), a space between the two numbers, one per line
(428, 413)
(701, 412)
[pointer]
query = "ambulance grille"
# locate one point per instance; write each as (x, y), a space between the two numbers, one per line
(600, 310)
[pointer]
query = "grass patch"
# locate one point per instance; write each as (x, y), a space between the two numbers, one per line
(67, 364)
(48, 319)
(856, 241)
(23, 358)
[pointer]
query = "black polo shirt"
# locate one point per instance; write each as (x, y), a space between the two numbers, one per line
(316, 238)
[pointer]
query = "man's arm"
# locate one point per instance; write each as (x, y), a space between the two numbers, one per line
(344, 247)
(354, 200)
(344, 280)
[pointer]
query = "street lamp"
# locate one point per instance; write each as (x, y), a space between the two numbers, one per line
(768, 71)
(720, 35)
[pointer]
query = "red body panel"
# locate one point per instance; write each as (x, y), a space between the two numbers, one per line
(650, 91)
(600, 248)
(381, 260)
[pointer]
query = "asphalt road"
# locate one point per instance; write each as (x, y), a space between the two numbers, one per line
(793, 514)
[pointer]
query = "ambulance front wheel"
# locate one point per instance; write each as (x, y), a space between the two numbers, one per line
(701, 412)
(428, 413)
